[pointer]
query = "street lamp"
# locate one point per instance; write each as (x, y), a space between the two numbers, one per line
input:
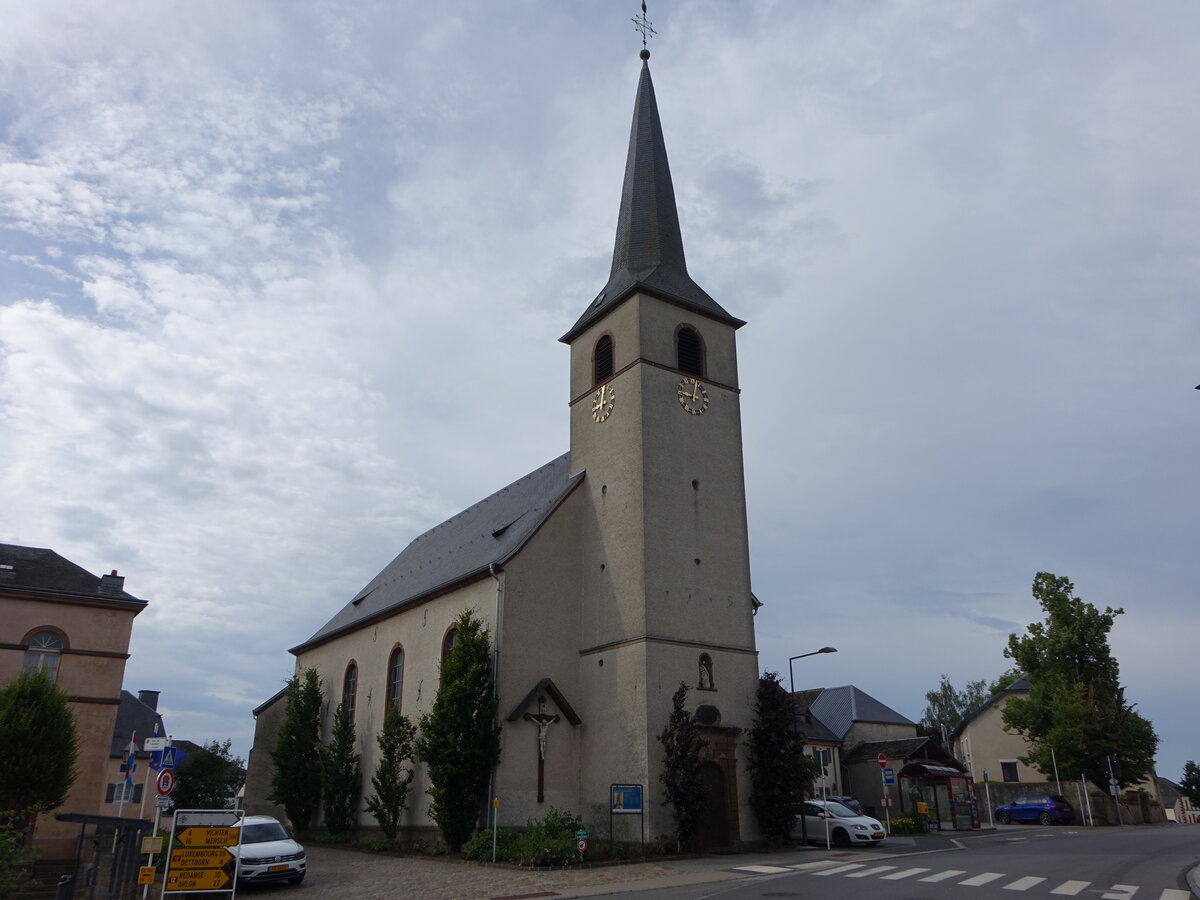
(792, 659)
(792, 698)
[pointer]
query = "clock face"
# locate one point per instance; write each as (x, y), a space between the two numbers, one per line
(602, 403)
(692, 396)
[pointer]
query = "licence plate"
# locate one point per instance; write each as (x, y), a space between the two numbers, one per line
(283, 868)
(878, 834)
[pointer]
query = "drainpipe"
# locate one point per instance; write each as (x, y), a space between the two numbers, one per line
(492, 800)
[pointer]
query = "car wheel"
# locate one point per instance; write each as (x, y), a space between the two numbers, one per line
(1044, 817)
(1003, 818)
(297, 880)
(841, 837)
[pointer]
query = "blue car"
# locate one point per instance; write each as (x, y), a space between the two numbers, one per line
(1045, 809)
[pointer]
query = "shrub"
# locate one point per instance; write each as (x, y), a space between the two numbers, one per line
(479, 848)
(905, 825)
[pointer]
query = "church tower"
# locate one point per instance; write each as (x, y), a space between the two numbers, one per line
(665, 580)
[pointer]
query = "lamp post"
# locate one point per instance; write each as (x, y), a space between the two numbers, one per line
(792, 697)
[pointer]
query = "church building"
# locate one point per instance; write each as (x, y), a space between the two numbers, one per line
(606, 577)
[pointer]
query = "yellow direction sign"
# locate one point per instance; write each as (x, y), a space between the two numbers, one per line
(201, 858)
(145, 874)
(207, 836)
(198, 880)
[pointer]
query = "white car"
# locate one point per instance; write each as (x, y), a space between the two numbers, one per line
(846, 828)
(268, 853)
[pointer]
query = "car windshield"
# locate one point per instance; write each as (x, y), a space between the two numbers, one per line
(842, 812)
(265, 831)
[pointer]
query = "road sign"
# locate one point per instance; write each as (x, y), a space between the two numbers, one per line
(154, 743)
(882, 760)
(582, 845)
(201, 857)
(152, 843)
(889, 776)
(166, 781)
(206, 836)
(581, 834)
(198, 880)
(162, 802)
(217, 818)
(145, 874)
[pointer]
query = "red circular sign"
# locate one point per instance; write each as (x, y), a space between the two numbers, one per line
(882, 757)
(166, 781)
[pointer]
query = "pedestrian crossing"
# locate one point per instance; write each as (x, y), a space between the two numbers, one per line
(826, 868)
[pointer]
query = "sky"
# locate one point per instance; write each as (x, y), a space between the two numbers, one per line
(281, 286)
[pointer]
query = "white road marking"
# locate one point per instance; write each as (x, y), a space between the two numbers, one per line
(866, 872)
(819, 864)
(903, 873)
(761, 870)
(942, 876)
(979, 880)
(840, 869)
(1120, 892)
(1070, 888)
(1024, 884)
(1175, 894)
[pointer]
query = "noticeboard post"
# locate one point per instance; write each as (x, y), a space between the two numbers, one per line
(626, 800)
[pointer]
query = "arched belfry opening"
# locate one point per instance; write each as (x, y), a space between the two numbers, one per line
(689, 351)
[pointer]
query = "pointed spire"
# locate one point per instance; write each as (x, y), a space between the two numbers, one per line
(648, 255)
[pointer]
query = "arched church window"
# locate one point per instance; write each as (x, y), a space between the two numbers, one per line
(603, 358)
(395, 678)
(706, 682)
(448, 642)
(42, 653)
(350, 687)
(689, 351)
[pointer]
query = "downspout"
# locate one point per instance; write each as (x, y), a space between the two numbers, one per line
(493, 801)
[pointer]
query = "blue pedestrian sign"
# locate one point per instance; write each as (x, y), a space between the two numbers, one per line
(889, 776)
(166, 758)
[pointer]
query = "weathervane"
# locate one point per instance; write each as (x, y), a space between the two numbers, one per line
(645, 26)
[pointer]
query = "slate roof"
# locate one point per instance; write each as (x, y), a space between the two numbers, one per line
(489, 533)
(133, 716)
(38, 569)
(839, 708)
(808, 724)
(648, 254)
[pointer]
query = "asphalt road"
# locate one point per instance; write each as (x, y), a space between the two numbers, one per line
(1146, 863)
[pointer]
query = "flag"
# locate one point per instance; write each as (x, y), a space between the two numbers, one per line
(130, 765)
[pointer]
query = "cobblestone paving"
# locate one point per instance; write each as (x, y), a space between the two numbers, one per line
(343, 874)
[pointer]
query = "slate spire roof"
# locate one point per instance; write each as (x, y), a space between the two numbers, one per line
(648, 255)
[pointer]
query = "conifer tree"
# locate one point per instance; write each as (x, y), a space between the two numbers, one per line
(680, 776)
(780, 770)
(296, 784)
(1189, 784)
(460, 740)
(341, 776)
(394, 773)
(38, 745)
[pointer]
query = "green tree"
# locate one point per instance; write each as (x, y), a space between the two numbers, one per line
(680, 776)
(1075, 711)
(208, 778)
(946, 707)
(14, 854)
(37, 743)
(341, 776)
(394, 773)
(459, 739)
(780, 770)
(296, 784)
(1189, 784)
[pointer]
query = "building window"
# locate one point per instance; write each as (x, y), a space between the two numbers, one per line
(822, 756)
(603, 358)
(395, 678)
(690, 351)
(706, 673)
(42, 653)
(120, 792)
(448, 642)
(350, 687)
(1008, 771)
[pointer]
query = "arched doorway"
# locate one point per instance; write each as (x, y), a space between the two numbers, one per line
(714, 820)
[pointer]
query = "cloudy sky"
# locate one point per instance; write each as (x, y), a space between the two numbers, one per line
(281, 285)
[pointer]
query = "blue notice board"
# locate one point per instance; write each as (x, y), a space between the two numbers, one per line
(626, 798)
(889, 776)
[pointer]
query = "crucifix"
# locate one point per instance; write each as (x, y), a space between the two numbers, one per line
(543, 721)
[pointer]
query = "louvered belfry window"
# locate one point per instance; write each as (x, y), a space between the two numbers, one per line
(604, 358)
(691, 354)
